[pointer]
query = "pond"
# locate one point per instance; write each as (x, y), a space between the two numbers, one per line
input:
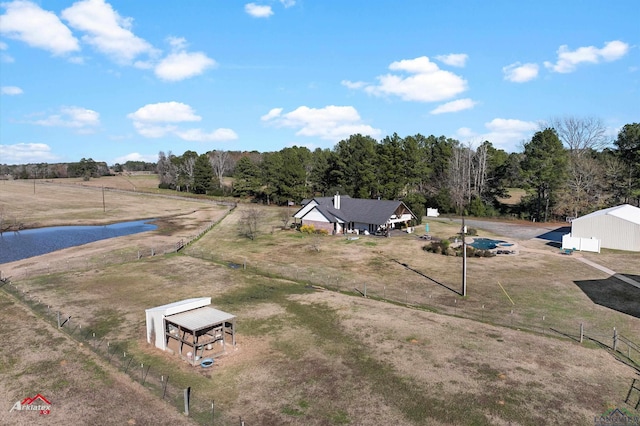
(34, 242)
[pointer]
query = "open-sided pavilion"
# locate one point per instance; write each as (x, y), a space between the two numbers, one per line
(204, 331)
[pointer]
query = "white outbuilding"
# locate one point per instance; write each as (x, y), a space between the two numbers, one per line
(191, 323)
(616, 227)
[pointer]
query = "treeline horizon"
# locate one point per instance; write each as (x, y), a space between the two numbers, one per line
(567, 169)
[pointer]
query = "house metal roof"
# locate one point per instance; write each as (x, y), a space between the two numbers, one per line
(200, 318)
(359, 210)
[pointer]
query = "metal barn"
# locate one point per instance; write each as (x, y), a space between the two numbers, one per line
(616, 227)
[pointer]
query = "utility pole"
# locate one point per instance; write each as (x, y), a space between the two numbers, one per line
(463, 231)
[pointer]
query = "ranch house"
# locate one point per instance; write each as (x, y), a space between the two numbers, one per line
(343, 214)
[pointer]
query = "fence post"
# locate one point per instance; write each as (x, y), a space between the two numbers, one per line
(615, 339)
(581, 332)
(164, 385)
(187, 394)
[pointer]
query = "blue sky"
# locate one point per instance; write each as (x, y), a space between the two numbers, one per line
(122, 80)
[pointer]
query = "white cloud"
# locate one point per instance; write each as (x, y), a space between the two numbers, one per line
(11, 90)
(353, 84)
(511, 125)
(569, 60)
(331, 122)
(258, 11)
(455, 106)
(153, 131)
(614, 50)
(197, 135)
(288, 3)
(158, 120)
(503, 133)
(177, 43)
(24, 153)
(4, 57)
(454, 59)
(427, 82)
(27, 22)
(465, 133)
(164, 112)
(182, 65)
(520, 73)
(82, 119)
(106, 30)
(273, 113)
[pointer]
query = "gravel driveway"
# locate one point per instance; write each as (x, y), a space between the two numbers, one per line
(521, 230)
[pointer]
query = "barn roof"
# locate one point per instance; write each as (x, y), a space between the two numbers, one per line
(625, 212)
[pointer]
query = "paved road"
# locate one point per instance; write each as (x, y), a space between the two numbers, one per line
(520, 231)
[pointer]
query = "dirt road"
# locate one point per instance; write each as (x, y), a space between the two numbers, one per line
(520, 230)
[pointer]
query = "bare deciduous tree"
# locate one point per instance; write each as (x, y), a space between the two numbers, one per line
(249, 222)
(220, 162)
(580, 134)
(166, 170)
(285, 217)
(584, 184)
(467, 174)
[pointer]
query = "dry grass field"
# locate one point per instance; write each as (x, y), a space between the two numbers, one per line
(311, 350)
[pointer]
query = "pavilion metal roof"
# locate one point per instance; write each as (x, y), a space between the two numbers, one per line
(200, 318)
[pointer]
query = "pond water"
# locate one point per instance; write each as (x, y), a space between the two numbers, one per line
(34, 242)
(487, 243)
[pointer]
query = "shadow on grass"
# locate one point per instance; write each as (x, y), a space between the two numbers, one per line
(427, 277)
(554, 244)
(614, 294)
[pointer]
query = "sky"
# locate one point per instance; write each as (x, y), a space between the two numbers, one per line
(117, 80)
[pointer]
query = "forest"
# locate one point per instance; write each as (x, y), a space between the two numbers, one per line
(569, 168)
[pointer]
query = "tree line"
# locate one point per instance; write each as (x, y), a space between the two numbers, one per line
(86, 168)
(568, 168)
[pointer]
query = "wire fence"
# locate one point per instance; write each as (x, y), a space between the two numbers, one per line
(204, 411)
(410, 292)
(151, 377)
(115, 257)
(413, 293)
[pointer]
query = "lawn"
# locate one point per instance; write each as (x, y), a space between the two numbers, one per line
(312, 350)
